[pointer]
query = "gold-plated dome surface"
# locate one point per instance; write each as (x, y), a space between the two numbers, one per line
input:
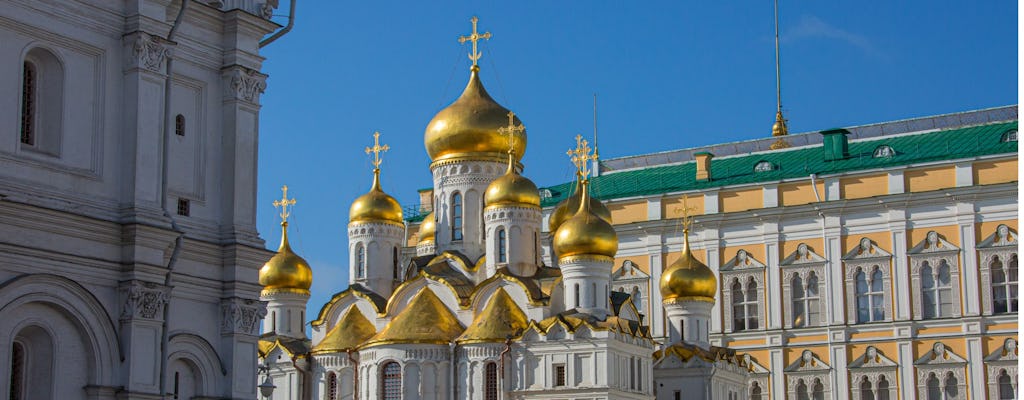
(424, 320)
(688, 278)
(585, 233)
(375, 205)
(427, 229)
(347, 334)
(501, 319)
(286, 271)
(512, 189)
(468, 128)
(568, 207)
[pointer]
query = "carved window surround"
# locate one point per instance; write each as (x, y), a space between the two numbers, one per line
(943, 363)
(802, 263)
(742, 268)
(1003, 359)
(876, 368)
(865, 257)
(810, 370)
(934, 250)
(1001, 244)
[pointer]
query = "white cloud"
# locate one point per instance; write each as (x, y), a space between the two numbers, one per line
(813, 27)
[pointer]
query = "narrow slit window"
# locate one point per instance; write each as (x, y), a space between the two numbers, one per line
(28, 104)
(179, 125)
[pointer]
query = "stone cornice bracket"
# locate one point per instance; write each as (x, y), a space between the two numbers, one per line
(241, 316)
(143, 300)
(244, 84)
(147, 51)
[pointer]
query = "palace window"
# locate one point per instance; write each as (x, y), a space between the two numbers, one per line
(764, 166)
(42, 87)
(559, 375)
(1004, 285)
(491, 390)
(998, 272)
(943, 387)
(502, 246)
(744, 305)
(936, 291)
(814, 391)
(456, 216)
(391, 381)
(332, 386)
(883, 151)
(755, 391)
(360, 261)
(1009, 136)
(940, 374)
(179, 125)
(935, 279)
(806, 301)
(808, 378)
(1006, 389)
(870, 296)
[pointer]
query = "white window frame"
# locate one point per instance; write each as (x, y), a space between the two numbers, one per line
(1004, 357)
(802, 262)
(941, 361)
(873, 365)
(865, 257)
(758, 374)
(808, 367)
(934, 250)
(744, 269)
(1003, 244)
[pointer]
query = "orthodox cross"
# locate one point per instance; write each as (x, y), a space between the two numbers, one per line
(284, 204)
(511, 130)
(685, 210)
(581, 157)
(376, 150)
(474, 37)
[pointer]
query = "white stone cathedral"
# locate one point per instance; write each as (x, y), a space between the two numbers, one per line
(127, 186)
(476, 314)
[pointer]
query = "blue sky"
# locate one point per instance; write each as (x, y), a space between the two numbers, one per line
(668, 75)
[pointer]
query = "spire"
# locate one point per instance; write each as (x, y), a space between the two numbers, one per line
(779, 128)
(474, 37)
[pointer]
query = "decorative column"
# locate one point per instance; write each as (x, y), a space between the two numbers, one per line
(240, 319)
(142, 317)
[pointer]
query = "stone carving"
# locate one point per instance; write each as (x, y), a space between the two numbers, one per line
(143, 300)
(246, 84)
(149, 51)
(241, 315)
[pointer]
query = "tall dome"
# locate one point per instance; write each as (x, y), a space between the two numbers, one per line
(375, 205)
(585, 233)
(688, 278)
(468, 129)
(568, 207)
(512, 189)
(286, 271)
(427, 229)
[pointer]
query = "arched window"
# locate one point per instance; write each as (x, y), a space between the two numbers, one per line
(394, 260)
(763, 166)
(801, 391)
(360, 261)
(456, 216)
(870, 297)
(883, 388)
(1004, 285)
(936, 291)
(491, 389)
(17, 391)
(1006, 391)
(951, 391)
(744, 305)
(576, 294)
(799, 305)
(638, 298)
(883, 151)
(179, 125)
(42, 101)
(818, 390)
(1009, 136)
(502, 246)
(865, 389)
(755, 391)
(332, 386)
(738, 317)
(391, 381)
(934, 392)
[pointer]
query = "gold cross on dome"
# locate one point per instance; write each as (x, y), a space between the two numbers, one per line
(474, 37)
(685, 210)
(511, 130)
(376, 150)
(284, 204)
(581, 157)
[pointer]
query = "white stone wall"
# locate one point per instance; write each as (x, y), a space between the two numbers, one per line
(522, 230)
(381, 243)
(470, 179)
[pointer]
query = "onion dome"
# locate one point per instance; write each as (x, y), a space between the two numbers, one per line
(566, 208)
(375, 205)
(500, 320)
(512, 189)
(427, 229)
(585, 233)
(286, 271)
(424, 320)
(468, 129)
(347, 334)
(687, 278)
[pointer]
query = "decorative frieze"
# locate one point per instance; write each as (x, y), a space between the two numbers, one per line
(245, 84)
(241, 315)
(148, 51)
(145, 300)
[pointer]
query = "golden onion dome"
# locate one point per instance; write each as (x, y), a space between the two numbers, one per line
(375, 205)
(512, 189)
(687, 278)
(469, 128)
(567, 207)
(286, 271)
(585, 233)
(427, 229)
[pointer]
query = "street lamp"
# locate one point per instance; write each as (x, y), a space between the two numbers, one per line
(267, 387)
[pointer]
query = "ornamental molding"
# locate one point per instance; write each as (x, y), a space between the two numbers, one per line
(939, 356)
(933, 244)
(872, 358)
(803, 255)
(866, 251)
(148, 51)
(1007, 353)
(143, 300)
(245, 84)
(1002, 237)
(807, 363)
(241, 316)
(742, 262)
(628, 272)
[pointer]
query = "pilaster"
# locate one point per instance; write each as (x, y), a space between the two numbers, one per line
(240, 107)
(141, 320)
(834, 268)
(773, 284)
(240, 320)
(968, 258)
(901, 271)
(655, 248)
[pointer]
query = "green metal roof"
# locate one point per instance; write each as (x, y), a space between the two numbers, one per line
(800, 162)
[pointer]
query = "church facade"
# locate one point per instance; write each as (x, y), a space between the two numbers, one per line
(127, 188)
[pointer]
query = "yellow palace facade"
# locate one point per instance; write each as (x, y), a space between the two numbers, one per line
(871, 262)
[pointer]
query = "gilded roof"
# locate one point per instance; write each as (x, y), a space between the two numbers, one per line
(424, 320)
(292, 346)
(352, 330)
(379, 303)
(501, 319)
(685, 351)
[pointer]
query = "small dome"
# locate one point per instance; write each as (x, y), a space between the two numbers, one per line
(468, 128)
(286, 271)
(512, 189)
(427, 229)
(375, 205)
(688, 278)
(585, 233)
(568, 207)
